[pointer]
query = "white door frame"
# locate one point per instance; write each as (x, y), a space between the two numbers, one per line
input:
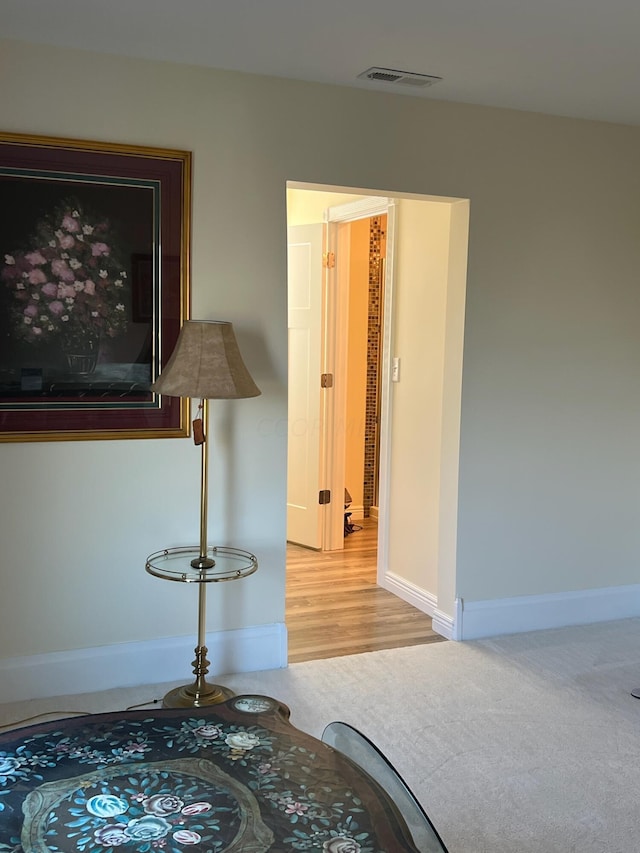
(336, 307)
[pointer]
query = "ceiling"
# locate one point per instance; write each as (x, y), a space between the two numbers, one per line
(576, 58)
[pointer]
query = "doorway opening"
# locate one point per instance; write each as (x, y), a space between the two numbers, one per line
(356, 421)
(338, 284)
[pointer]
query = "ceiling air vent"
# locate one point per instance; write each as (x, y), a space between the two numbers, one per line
(403, 78)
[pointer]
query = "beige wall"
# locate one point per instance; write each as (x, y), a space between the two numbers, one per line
(549, 468)
(307, 207)
(420, 295)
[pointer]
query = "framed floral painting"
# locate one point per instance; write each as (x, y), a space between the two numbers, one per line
(94, 287)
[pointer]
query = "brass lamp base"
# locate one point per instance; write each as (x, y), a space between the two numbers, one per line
(200, 693)
(190, 697)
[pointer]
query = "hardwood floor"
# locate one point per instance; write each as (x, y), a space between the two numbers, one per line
(334, 608)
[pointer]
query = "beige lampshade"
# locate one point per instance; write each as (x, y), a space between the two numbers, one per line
(206, 364)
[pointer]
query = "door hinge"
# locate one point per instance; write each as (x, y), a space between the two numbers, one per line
(326, 380)
(328, 260)
(324, 496)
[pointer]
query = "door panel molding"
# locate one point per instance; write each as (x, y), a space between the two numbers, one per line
(305, 413)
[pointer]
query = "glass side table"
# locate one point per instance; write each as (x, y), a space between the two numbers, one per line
(366, 755)
(185, 565)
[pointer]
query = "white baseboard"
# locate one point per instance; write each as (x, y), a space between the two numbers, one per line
(131, 664)
(373, 512)
(422, 600)
(443, 625)
(409, 592)
(474, 620)
(556, 610)
(357, 512)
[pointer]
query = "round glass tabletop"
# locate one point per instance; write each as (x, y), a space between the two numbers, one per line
(176, 564)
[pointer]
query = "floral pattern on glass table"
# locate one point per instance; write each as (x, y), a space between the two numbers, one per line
(182, 781)
(173, 805)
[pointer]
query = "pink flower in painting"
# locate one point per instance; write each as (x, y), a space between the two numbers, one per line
(196, 808)
(70, 224)
(186, 836)
(52, 276)
(30, 311)
(66, 241)
(36, 276)
(35, 258)
(61, 269)
(98, 249)
(209, 732)
(10, 272)
(296, 808)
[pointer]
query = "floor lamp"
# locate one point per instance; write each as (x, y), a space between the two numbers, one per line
(206, 365)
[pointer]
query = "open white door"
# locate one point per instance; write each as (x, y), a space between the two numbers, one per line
(304, 513)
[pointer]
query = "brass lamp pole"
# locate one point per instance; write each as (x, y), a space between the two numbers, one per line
(204, 562)
(205, 364)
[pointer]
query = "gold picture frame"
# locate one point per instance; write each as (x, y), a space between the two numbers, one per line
(94, 287)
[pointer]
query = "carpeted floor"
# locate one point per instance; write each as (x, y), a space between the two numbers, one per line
(521, 744)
